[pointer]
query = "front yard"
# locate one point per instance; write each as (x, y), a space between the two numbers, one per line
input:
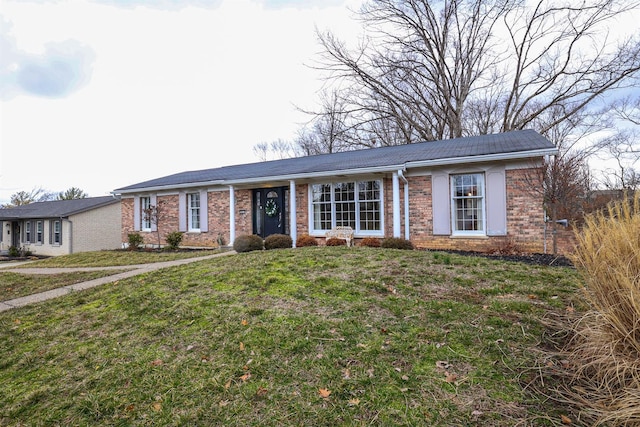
(307, 336)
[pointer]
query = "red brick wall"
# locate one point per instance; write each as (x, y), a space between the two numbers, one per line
(525, 223)
(525, 226)
(302, 206)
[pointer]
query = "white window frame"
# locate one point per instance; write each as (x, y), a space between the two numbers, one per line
(145, 220)
(56, 231)
(27, 232)
(357, 202)
(193, 212)
(39, 232)
(474, 192)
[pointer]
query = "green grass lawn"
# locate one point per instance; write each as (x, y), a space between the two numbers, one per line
(300, 337)
(14, 285)
(117, 257)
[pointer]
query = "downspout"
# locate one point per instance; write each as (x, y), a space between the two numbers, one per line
(70, 233)
(396, 204)
(406, 202)
(232, 215)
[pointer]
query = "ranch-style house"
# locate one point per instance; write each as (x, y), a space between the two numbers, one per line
(61, 227)
(470, 193)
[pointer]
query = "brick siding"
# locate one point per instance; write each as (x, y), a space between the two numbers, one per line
(525, 223)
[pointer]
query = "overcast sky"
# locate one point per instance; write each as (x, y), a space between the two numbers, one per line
(100, 94)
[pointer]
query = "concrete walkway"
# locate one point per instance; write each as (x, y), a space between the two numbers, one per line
(133, 270)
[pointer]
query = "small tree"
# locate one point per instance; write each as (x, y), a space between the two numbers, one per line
(155, 214)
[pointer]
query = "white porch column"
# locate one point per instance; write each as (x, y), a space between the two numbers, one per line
(232, 215)
(396, 205)
(292, 212)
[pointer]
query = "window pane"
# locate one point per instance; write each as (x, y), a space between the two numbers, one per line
(321, 200)
(194, 211)
(468, 201)
(345, 204)
(145, 205)
(369, 198)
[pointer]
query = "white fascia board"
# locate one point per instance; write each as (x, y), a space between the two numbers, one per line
(313, 175)
(158, 188)
(485, 158)
(356, 171)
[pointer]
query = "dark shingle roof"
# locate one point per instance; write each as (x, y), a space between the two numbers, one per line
(55, 208)
(461, 148)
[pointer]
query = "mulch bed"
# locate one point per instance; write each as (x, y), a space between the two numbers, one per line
(553, 260)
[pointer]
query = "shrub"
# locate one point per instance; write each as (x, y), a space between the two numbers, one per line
(278, 241)
(606, 345)
(334, 241)
(135, 241)
(174, 239)
(506, 246)
(306, 240)
(248, 243)
(370, 242)
(14, 251)
(396, 243)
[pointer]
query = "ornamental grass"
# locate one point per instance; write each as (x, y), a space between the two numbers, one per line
(605, 349)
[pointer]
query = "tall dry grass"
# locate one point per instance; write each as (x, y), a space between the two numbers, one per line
(605, 350)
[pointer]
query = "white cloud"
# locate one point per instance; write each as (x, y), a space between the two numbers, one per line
(144, 92)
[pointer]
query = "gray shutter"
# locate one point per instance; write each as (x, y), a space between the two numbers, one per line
(496, 202)
(136, 213)
(153, 200)
(182, 212)
(204, 216)
(440, 204)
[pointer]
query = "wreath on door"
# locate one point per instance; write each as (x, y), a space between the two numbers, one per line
(271, 208)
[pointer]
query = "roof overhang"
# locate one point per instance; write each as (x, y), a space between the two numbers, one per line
(498, 157)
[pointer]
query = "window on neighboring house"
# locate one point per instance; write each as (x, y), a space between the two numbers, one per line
(27, 232)
(39, 231)
(193, 214)
(145, 219)
(353, 204)
(56, 232)
(468, 203)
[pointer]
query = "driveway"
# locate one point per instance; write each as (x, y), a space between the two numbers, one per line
(133, 270)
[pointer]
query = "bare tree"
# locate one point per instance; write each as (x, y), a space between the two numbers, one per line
(26, 197)
(621, 145)
(278, 149)
(433, 70)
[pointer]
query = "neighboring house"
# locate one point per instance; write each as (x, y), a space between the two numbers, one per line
(470, 193)
(63, 227)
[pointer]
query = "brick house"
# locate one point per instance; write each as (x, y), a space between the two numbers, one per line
(467, 193)
(62, 227)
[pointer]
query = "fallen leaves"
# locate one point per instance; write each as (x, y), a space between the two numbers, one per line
(450, 377)
(324, 393)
